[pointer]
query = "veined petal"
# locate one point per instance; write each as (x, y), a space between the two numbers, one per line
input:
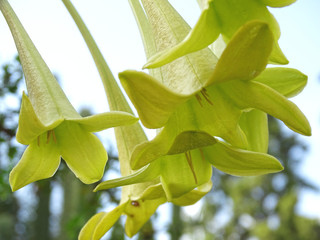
(203, 34)
(100, 223)
(240, 162)
(82, 151)
(277, 3)
(30, 126)
(193, 196)
(255, 126)
(106, 120)
(48, 99)
(145, 174)
(153, 101)
(39, 161)
(246, 55)
(287, 81)
(256, 95)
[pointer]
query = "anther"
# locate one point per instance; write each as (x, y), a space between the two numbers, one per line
(206, 96)
(199, 99)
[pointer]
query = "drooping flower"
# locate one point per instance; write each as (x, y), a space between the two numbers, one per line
(50, 125)
(138, 201)
(224, 17)
(198, 93)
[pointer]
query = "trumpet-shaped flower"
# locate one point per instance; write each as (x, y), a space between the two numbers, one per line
(199, 93)
(50, 125)
(224, 17)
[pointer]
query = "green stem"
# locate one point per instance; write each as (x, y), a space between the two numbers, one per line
(127, 137)
(117, 101)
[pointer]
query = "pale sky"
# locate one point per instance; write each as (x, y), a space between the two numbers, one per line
(114, 29)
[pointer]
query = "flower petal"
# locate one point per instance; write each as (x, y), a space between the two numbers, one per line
(99, 122)
(256, 95)
(154, 102)
(287, 81)
(100, 223)
(39, 161)
(246, 55)
(277, 3)
(193, 196)
(145, 174)
(203, 34)
(255, 126)
(193, 171)
(82, 151)
(240, 162)
(30, 126)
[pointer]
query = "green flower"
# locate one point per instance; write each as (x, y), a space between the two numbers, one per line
(213, 106)
(223, 17)
(50, 125)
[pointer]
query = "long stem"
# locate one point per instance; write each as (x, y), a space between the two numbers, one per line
(127, 137)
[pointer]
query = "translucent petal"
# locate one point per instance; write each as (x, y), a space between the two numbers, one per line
(277, 3)
(100, 223)
(193, 171)
(240, 162)
(153, 101)
(99, 122)
(30, 126)
(246, 55)
(39, 161)
(145, 174)
(254, 123)
(193, 196)
(194, 41)
(82, 151)
(256, 95)
(287, 81)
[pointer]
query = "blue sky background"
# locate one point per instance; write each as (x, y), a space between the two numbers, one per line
(114, 29)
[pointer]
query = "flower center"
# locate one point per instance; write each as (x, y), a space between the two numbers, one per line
(205, 95)
(50, 134)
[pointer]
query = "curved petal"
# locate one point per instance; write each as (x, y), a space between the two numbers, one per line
(193, 171)
(39, 161)
(255, 126)
(246, 55)
(256, 95)
(100, 223)
(145, 174)
(240, 162)
(153, 101)
(82, 151)
(30, 126)
(203, 34)
(287, 81)
(99, 122)
(193, 196)
(277, 3)
(232, 14)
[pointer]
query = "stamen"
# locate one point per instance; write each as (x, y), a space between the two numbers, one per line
(54, 137)
(189, 160)
(206, 96)
(202, 154)
(48, 136)
(199, 99)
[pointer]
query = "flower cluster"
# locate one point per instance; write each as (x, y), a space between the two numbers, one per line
(208, 93)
